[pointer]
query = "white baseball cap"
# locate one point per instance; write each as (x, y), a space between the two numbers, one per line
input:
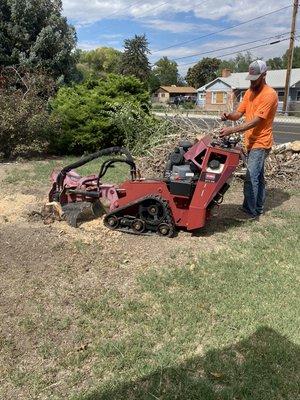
(256, 68)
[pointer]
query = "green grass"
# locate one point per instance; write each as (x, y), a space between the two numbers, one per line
(31, 173)
(226, 327)
(222, 328)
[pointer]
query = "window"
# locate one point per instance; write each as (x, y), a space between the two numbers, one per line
(298, 95)
(162, 95)
(280, 95)
(219, 98)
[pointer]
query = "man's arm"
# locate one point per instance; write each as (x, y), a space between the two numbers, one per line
(240, 128)
(233, 116)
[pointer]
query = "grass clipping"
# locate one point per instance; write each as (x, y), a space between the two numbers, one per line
(282, 165)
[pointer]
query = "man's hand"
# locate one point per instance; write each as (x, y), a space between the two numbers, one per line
(224, 116)
(240, 128)
(225, 132)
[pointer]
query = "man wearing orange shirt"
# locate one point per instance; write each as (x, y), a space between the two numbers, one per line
(259, 106)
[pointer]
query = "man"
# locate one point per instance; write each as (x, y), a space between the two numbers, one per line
(259, 106)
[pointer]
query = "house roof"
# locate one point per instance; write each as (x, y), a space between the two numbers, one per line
(275, 78)
(179, 89)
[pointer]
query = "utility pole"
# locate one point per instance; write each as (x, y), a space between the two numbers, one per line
(290, 57)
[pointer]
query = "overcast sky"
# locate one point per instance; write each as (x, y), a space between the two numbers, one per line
(167, 23)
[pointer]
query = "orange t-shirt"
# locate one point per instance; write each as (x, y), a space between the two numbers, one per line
(263, 105)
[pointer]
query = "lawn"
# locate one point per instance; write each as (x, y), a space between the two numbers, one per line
(212, 316)
(34, 172)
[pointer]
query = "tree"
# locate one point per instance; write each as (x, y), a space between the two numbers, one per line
(275, 63)
(25, 125)
(102, 60)
(226, 64)
(166, 71)
(33, 34)
(134, 60)
(296, 58)
(242, 61)
(153, 82)
(203, 72)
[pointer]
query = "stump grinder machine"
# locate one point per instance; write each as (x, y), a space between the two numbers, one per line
(195, 180)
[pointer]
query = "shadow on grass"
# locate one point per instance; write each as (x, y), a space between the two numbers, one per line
(262, 367)
(228, 215)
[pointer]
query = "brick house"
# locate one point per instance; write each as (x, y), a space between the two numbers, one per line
(224, 92)
(167, 94)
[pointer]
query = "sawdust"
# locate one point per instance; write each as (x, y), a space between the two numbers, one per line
(14, 208)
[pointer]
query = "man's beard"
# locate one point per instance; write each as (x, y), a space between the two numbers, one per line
(256, 88)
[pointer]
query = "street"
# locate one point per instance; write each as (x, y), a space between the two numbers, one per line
(283, 131)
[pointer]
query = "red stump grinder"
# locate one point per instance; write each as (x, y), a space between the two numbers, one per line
(195, 180)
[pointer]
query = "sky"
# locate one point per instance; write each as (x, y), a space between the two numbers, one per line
(182, 25)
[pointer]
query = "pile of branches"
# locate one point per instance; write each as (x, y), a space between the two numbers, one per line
(282, 165)
(154, 162)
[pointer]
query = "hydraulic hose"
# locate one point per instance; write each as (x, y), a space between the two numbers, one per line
(104, 152)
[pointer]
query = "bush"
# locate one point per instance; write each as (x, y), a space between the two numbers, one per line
(188, 105)
(25, 126)
(86, 112)
(160, 106)
(139, 130)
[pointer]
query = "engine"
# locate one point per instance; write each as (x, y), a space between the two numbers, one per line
(177, 167)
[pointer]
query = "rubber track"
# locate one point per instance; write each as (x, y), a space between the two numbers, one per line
(168, 216)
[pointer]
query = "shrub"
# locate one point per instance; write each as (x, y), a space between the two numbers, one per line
(188, 105)
(25, 126)
(139, 130)
(86, 112)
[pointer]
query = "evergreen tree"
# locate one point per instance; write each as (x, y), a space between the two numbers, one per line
(34, 34)
(134, 60)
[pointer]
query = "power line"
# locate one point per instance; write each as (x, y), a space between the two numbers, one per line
(162, 4)
(223, 30)
(241, 51)
(229, 47)
(151, 9)
(123, 9)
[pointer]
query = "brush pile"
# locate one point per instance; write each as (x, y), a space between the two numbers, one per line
(282, 165)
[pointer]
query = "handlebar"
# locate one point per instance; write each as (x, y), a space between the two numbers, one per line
(226, 143)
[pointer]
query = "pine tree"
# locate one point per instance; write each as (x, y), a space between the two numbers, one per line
(134, 60)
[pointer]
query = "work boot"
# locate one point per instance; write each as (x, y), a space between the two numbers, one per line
(245, 215)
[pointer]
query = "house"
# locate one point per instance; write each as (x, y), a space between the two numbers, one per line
(170, 94)
(224, 92)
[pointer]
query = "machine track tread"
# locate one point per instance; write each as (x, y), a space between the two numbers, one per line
(151, 227)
